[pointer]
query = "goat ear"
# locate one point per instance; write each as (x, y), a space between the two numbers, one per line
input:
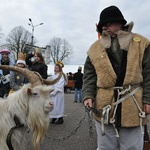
(28, 91)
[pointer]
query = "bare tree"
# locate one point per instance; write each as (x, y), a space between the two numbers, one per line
(1, 34)
(60, 50)
(18, 39)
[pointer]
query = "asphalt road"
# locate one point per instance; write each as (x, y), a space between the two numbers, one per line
(81, 140)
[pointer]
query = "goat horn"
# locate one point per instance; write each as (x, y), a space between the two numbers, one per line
(49, 82)
(33, 77)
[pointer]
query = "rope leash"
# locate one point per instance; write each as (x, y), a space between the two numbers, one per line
(107, 109)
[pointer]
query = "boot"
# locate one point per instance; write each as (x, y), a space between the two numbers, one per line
(59, 121)
(53, 120)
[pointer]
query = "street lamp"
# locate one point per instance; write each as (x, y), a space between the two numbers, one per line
(33, 26)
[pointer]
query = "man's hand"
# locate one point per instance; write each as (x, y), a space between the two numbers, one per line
(147, 108)
(88, 102)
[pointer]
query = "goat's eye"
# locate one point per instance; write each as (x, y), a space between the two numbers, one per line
(35, 94)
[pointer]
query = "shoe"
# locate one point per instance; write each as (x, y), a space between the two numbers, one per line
(59, 121)
(75, 101)
(53, 120)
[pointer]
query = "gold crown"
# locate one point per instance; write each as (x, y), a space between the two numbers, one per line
(21, 56)
(60, 63)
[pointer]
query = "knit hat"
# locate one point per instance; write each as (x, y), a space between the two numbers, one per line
(5, 51)
(110, 14)
(21, 58)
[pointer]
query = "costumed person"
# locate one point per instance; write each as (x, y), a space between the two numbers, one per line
(38, 64)
(116, 82)
(78, 81)
(5, 59)
(17, 80)
(57, 96)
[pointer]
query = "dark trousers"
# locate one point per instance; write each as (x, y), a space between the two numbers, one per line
(146, 135)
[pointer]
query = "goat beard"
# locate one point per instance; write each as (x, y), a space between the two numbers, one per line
(38, 122)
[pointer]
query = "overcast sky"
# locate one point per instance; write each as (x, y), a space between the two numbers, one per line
(73, 20)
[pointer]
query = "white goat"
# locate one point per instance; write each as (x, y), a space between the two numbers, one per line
(30, 105)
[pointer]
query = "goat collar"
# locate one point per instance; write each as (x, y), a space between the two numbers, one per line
(18, 125)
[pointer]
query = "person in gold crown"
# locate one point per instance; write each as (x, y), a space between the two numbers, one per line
(56, 115)
(38, 64)
(18, 80)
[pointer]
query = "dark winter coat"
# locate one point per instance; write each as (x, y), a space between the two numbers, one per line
(39, 67)
(78, 79)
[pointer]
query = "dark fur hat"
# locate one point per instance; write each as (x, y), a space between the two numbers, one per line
(108, 15)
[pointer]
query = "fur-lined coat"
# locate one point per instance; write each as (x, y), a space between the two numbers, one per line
(102, 72)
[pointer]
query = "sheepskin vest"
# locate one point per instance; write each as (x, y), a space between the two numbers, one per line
(106, 77)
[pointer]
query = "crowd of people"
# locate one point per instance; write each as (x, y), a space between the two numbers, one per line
(115, 82)
(12, 81)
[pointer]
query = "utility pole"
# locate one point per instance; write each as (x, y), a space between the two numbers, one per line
(33, 26)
